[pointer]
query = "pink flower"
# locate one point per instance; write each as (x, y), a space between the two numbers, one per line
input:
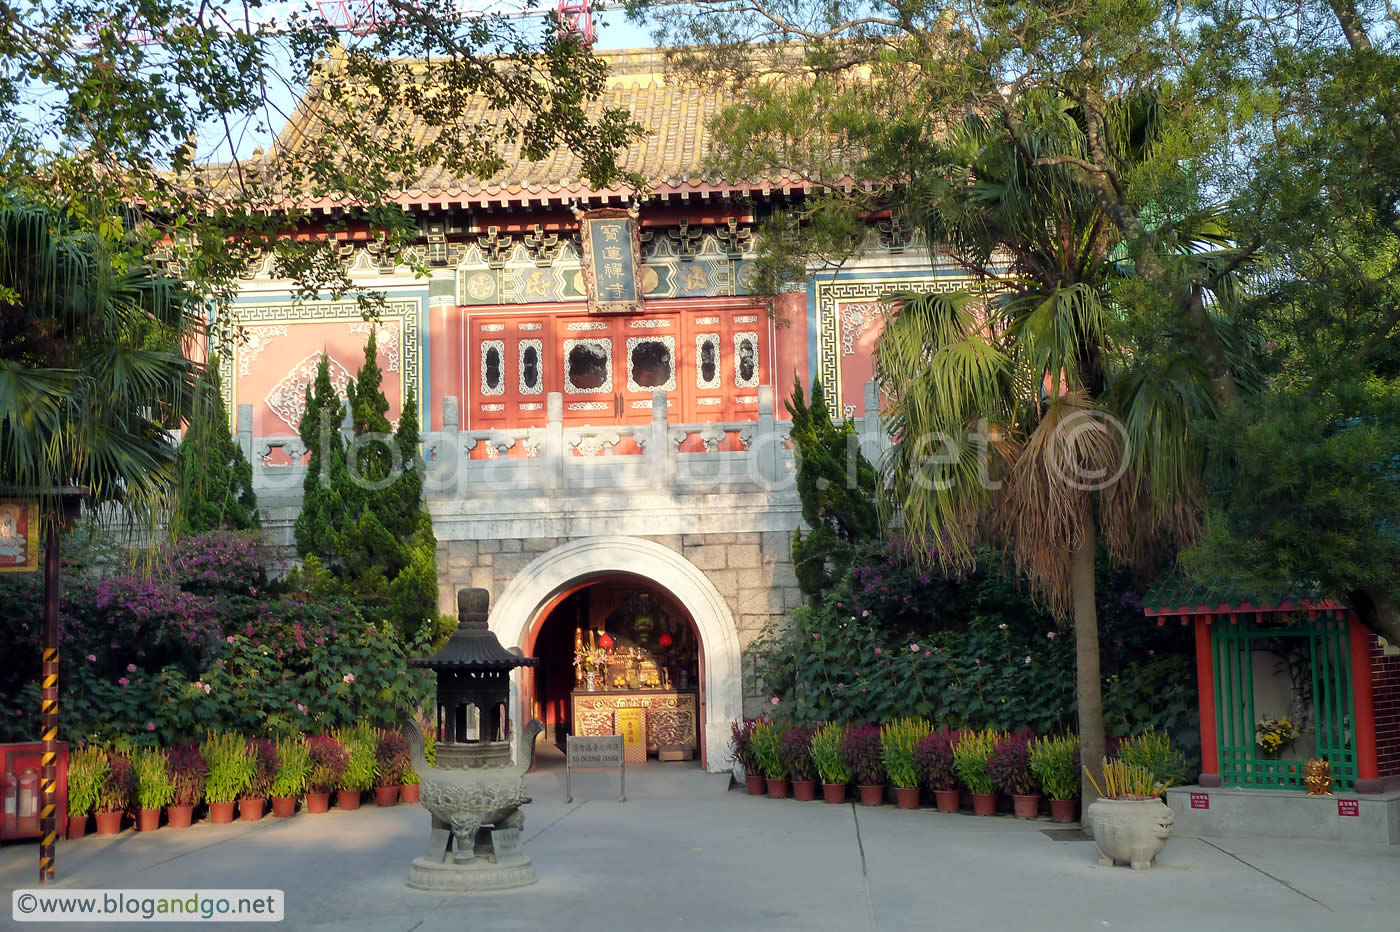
(877, 650)
(840, 685)
(1028, 659)
(913, 648)
(150, 726)
(816, 637)
(977, 660)
(131, 668)
(229, 639)
(123, 681)
(92, 657)
(348, 678)
(865, 614)
(1002, 626)
(1050, 635)
(774, 700)
(928, 653)
(301, 708)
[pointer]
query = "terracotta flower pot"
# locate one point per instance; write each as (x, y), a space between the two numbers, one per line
(1028, 806)
(284, 807)
(906, 797)
(777, 789)
(408, 793)
(147, 820)
(221, 813)
(109, 823)
(318, 802)
(947, 800)
(804, 790)
(834, 792)
(984, 803)
(251, 810)
(872, 794)
(348, 799)
(1062, 810)
(387, 795)
(77, 827)
(755, 783)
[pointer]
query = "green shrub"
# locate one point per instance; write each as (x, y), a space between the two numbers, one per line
(294, 767)
(1055, 762)
(898, 741)
(768, 750)
(155, 787)
(87, 770)
(827, 754)
(1153, 751)
(231, 766)
(361, 768)
(971, 756)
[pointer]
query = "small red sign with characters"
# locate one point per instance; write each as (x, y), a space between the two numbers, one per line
(1349, 807)
(1200, 800)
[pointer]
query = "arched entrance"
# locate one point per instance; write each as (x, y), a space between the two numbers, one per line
(549, 580)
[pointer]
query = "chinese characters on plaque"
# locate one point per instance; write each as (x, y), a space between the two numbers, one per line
(612, 260)
(19, 536)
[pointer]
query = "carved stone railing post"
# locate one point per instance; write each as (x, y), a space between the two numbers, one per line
(554, 441)
(872, 432)
(245, 437)
(659, 449)
(447, 468)
(766, 444)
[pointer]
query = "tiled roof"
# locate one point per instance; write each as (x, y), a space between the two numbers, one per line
(670, 156)
(1172, 594)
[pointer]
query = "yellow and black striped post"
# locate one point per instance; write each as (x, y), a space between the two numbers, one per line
(48, 821)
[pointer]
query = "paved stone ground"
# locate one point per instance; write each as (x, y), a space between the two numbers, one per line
(684, 852)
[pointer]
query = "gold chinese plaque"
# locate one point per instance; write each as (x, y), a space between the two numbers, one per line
(19, 536)
(612, 260)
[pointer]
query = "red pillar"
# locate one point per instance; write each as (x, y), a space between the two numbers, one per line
(1205, 688)
(1364, 723)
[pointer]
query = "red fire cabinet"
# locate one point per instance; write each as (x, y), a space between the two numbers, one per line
(20, 797)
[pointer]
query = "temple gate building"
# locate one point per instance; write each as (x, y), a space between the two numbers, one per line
(602, 401)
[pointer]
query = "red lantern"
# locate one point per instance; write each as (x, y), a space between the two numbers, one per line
(605, 641)
(666, 639)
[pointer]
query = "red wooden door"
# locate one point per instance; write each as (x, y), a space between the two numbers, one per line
(727, 359)
(508, 370)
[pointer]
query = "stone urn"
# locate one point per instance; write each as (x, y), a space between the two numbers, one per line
(1129, 831)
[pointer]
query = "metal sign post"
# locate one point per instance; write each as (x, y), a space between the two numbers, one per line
(594, 752)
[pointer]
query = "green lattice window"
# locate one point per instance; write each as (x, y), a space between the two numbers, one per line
(1325, 640)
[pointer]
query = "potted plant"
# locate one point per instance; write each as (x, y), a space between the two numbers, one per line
(114, 793)
(1055, 763)
(767, 749)
(360, 766)
(328, 762)
(155, 788)
(898, 741)
(231, 766)
(1129, 821)
(741, 749)
(87, 769)
(1272, 735)
(933, 761)
(970, 757)
(293, 767)
(408, 793)
(391, 755)
(1153, 750)
(1010, 769)
(862, 750)
(796, 748)
(253, 801)
(830, 761)
(188, 771)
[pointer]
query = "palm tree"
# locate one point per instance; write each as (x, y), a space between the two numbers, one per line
(1030, 416)
(93, 365)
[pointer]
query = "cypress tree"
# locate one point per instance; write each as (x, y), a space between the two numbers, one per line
(836, 484)
(216, 479)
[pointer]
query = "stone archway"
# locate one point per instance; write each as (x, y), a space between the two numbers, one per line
(530, 592)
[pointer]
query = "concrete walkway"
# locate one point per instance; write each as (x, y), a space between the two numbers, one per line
(685, 852)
